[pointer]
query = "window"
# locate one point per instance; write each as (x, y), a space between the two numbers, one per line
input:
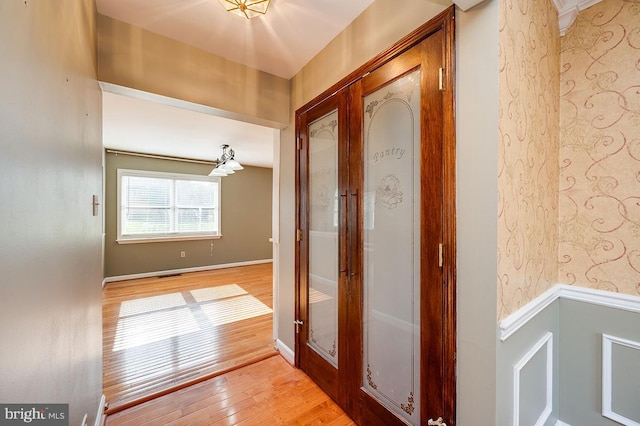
(155, 206)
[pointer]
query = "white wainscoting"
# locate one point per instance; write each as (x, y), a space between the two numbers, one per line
(545, 342)
(518, 319)
(607, 377)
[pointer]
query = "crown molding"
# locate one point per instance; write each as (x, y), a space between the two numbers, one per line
(568, 11)
(467, 4)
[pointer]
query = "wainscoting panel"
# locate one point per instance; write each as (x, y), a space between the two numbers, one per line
(621, 380)
(599, 364)
(533, 384)
(528, 371)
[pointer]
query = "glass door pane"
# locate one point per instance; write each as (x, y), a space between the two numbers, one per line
(391, 258)
(323, 237)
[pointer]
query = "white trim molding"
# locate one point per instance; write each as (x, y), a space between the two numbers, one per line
(607, 345)
(286, 352)
(547, 340)
(568, 11)
(518, 319)
(561, 423)
(183, 270)
(467, 4)
(101, 409)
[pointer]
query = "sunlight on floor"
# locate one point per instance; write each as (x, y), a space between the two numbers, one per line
(215, 293)
(152, 327)
(151, 304)
(153, 319)
(235, 309)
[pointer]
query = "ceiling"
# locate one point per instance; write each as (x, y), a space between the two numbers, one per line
(281, 43)
(140, 125)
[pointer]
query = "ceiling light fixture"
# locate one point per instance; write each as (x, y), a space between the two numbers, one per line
(247, 8)
(226, 164)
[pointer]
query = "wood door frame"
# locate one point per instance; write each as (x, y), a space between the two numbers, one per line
(445, 22)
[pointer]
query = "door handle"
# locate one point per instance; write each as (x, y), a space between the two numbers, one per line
(438, 422)
(343, 253)
(353, 230)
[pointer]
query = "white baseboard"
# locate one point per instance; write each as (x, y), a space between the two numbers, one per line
(100, 414)
(561, 423)
(183, 271)
(518, 319)
(286, 352)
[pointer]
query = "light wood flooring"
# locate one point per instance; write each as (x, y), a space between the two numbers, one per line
(161, 334)
(270, 392)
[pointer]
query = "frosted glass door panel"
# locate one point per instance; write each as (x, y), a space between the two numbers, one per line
(391, 316)
(323, 237)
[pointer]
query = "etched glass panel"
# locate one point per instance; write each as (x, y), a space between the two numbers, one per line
(323, 237)
(391, 316)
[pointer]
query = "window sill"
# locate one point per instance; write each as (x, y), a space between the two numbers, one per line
(164, 239)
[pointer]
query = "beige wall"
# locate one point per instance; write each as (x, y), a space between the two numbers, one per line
(131, 57)
(528, 146)
(50, 250)
(600, 149)
(246, 221)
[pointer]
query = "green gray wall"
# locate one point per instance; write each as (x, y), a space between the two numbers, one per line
(476, 206)
(51, 165)
(245, 219)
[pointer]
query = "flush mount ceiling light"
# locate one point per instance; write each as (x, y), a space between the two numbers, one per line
(227, 165)
(247, 8)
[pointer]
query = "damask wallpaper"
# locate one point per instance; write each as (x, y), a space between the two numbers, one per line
(599, 204)
(528, 174)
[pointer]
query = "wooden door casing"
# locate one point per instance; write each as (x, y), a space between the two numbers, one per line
(429, 47)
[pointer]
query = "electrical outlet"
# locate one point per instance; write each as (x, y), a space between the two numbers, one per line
(183, 254)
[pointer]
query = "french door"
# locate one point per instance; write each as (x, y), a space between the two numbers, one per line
(375, 325)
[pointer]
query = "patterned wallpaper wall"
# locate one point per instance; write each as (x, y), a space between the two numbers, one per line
(529, 88)
(599, 206)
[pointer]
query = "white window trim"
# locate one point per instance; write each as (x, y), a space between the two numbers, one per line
(153, 238)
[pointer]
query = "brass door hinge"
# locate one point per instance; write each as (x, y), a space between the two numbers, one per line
(298, 143)
(298, 234)
(441, 79)
(440, 255)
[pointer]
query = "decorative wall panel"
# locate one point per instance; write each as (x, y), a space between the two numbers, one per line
(533, 384)
(620, 380)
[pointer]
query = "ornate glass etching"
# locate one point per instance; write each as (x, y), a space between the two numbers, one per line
(323, 237)
(392, 246)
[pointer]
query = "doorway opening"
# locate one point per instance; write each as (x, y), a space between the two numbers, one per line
(179, 312)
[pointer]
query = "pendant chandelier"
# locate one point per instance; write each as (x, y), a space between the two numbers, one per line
(226, 164)
(247, 8)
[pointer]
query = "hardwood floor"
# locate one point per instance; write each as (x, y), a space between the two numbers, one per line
(161, 334)
(270, 392)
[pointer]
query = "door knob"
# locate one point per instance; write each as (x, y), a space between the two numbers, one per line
(438, 422)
